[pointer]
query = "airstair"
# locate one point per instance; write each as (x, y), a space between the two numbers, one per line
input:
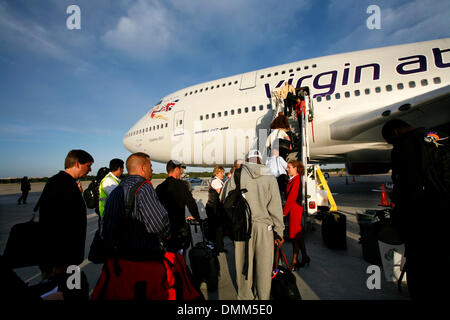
(315, 190)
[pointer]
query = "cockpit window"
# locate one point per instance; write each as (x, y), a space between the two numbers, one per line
(159, 102)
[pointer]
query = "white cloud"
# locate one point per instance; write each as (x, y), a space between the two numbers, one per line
(151, 27)
(143, 32)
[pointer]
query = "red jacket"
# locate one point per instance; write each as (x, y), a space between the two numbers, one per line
(293, 208)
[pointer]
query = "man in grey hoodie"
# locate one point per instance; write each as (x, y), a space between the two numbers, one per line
(263, 197)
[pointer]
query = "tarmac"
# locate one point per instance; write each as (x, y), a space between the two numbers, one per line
(331, 275)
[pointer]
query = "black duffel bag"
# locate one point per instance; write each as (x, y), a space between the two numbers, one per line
(23, 246)
(284, 286)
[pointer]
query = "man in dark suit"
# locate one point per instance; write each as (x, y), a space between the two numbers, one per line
(63, 219)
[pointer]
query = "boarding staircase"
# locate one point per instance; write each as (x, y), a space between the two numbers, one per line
(314, 182)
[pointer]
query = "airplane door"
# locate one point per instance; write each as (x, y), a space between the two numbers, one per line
(179, 122)
(248, 80)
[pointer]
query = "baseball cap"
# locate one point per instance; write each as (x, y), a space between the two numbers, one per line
(254, 153)
(172, 164)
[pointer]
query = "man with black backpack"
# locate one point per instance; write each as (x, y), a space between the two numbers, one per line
(264, 224)
(420, 170)
(134, 230)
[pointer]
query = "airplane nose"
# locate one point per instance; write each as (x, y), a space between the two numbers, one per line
(127, 142)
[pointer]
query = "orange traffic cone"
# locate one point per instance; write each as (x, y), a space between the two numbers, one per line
(384, 197)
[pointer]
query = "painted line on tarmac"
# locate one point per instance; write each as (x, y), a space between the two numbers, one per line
(92, 215)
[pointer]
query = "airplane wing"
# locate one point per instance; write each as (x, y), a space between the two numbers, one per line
(431, 109)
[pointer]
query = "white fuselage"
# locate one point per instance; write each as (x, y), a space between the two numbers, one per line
(217, 122)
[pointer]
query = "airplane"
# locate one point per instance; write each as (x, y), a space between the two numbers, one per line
(352, 94)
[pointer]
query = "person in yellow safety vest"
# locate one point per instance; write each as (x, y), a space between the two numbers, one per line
(109, 183)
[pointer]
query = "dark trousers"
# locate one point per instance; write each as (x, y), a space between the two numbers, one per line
(23, 197)
(216, 226)
(287, 107)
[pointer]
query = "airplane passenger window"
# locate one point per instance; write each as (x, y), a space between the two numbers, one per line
(347, 94)
(190, 93)
(196, 91)
(298, 69)
(219, 114)
(269, 106)
(291, 70)
(437, 80)
(206, 89)
(283, 72)
(268, 76)
(201, 118)
(212, 87)
(262, 77)
(239, 111)
(157, 127)
(275, 74)
(229, 83)
(424, 82)
(185, 94)
(246, 109)
(146, 129)
(213, 115)
(232, 112)
(337, 95)
(400, 86)
(306, 67)
(412, 84)
(207, 117)
(253, 109)
(261, 107)
(235, 82)
(388, 87)
(223, 85)
(225, 113)
(167, 125)
(201, 90)
(357, 93)
(367, 91)
(314, 65)
(328, 97)
(377, 89)
(319, 98)
(218, 86)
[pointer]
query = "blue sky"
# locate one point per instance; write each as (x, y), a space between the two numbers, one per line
(64, 89)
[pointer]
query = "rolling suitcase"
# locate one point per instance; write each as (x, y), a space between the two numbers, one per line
(334, 230)
(284, 286)
(204, 263)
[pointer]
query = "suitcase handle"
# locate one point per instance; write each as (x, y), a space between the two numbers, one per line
(277, 257)
(196, 223)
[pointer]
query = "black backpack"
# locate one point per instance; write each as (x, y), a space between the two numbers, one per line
(238, 216)
(238, 211)
(91, 194)
(435, 150)
(121, 236)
